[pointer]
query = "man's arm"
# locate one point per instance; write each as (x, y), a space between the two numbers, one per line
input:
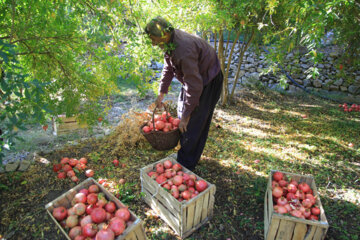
(166, 78)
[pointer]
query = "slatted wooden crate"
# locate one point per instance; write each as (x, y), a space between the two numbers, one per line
(134, 229)
(183, 217)
(69, 124)
(285, 227)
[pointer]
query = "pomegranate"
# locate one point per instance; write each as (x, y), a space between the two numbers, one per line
(72, 221)
(296, 213)
(177, 180)
(300, 195)
(116, 162)
(186, 195)
(290, 196)
(288, 207)
(79, 208)
(160, 169)
(98, 215)
(74, 232)
(176, 122)
(190, 182)
(282, 201)
(304, 187)
(311, 197)
(193, 177)
(89, 230)
(307, 203)
(79, 237)
(74, 179)
(89, 173)
(110, 207)
(307, 213)
(278, 176)
(61, 175)
(80, 197)
(160, 179)
(59, 213)
(57, 167)
(166, 186)
(85, 220)
(182, 187)
(117, 225)
(64, 160)
(89, 209)
(73, 162)
(315, 211)
(159, 125)
(283, 183)
(291, 188)
(177, 167)
(94, 188)
(200, 185)
(280, 209)
(180, 173)
(294, 183)
(277, 192)
(71, 211)
(67, 168)
(274, 184)
(84, 191)
(105, 234)
(123, 213)
(175, 192)
(168, 164)
(186, 177)
(167, 173)
(146, 129)
(83, 160)
(313, 217)
(92, 198)
(108, 216)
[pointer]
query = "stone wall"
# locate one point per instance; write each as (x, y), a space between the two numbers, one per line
(330, 77)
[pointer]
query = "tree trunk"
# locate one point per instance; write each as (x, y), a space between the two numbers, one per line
(243, 49)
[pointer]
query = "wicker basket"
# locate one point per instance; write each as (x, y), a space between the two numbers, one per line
(160, 140)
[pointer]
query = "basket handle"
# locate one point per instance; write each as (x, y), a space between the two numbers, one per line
(153, 114)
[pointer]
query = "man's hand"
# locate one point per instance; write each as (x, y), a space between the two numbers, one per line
(183, 124)
(159, 99)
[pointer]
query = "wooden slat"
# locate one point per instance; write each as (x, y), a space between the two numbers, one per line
(266, 219)
(299, 231)
(211, 201)
(274, 225)
(190, 214)
(320, 233)
(165, 200)
(130, 236)
(198, 210)
(204, 212)
(139, 232)
(165, 214)
(310, 233)
(285, 230)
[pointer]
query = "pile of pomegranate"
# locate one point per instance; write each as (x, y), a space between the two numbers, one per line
(353, 107)
(92, 216)
(67, 165)
(291, 197)
(164, 122)
(182, 186)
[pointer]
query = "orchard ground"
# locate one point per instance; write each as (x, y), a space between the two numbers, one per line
(263, 130)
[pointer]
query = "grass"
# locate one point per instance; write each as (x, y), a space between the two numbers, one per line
(261, 125)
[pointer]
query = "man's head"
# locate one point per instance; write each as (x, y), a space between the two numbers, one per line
(159, 31)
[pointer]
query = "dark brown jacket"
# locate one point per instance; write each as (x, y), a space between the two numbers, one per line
(194, 63)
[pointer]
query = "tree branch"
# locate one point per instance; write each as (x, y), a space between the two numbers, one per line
(32, 52)
(37, 38)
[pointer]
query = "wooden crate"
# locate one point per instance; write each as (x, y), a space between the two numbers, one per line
(183, 217)
(285, 227)
(68, 125)
(134, 229)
